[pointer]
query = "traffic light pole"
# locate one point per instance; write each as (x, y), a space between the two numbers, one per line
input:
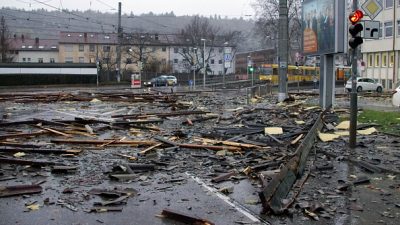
(353, 94)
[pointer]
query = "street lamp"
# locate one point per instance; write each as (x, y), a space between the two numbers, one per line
(204, 62)
(247, 66)
(194, 69)
(223, 66)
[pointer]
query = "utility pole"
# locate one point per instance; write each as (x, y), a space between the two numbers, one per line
(353, 94)
(119, 44)
(283, 49)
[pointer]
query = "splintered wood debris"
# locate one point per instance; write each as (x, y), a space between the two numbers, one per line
(213, 136)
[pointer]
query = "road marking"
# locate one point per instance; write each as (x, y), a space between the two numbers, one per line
(229, 201)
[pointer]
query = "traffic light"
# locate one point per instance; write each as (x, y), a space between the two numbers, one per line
(250, 68)
(356, 28)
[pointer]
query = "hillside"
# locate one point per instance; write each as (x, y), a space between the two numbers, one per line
(46, 24)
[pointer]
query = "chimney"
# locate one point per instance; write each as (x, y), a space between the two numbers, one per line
(156, 36)
(85, 36)
(37, 41)
(23, 38)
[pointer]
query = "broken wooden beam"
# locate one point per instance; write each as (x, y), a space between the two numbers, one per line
(170, 114)
(278, 188)
(17, 135)
(100, 142)
(223, 177)
(184, 218)
(41, 151)
(201, 119)
(211, 147)
(6, 191)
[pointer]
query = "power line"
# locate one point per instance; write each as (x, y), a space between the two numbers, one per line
(111, 7)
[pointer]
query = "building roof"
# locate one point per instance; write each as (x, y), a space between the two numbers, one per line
(67, 37)
(23, 44)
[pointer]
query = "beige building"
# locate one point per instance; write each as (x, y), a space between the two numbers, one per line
(382, 57)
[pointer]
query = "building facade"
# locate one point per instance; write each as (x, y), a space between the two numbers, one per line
(381, 58)
(34, 50)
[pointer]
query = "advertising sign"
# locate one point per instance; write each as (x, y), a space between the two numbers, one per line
(323, 26)
(136, 81)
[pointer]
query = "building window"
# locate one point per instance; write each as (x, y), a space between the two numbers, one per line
(81, 47)
(398, 26)
(29, 59)
(81, 60)
(391, 59)
(69, 60)
(212, 61)
(389, 29)
(23, 59)
(69, 48)
(388, 3)
(106, 48)
(377, 59)
(176, 50)
(370, 60)
(164, 49)
(220, 50)
(175, 60)
(40, 60)
(380, 29)
(91, 47)
(52, 60)
(220, 61)
(384, 59)
(219, 72)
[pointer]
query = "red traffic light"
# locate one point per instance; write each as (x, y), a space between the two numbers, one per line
(356, 16)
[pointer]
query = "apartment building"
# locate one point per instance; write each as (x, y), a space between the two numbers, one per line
(164, 53)
(382, 57)
(25, 50)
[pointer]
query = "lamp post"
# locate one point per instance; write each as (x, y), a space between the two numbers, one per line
(204, 62)
(194, 69)
(223, 66)
(247, 66)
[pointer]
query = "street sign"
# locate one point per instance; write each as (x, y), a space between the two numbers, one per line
(228, 57)
(227, 65)
(372, 8)
(136, 81)
(282, 64)
(371, 30)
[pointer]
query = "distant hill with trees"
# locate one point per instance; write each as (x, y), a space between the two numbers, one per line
(47, 24)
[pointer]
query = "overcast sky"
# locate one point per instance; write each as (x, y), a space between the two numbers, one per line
(229, 8)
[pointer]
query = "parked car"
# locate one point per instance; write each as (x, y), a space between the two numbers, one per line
(171, 80)
(365, 84)
(396, 96)
(156, 81)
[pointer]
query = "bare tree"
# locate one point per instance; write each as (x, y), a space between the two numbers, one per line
(267, 23)
(5, 45)
(192, 37)
(107, 59)
(140, 49)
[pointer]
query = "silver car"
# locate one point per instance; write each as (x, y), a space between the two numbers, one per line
(396, 96)
(365, 84)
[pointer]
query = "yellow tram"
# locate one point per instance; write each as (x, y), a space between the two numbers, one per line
(269, 72)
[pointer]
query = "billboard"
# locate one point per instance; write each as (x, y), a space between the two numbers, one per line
(323, 27)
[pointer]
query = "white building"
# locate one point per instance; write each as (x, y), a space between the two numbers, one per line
(35, 50)
(382, 57)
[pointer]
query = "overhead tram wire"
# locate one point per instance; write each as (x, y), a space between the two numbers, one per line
(101, 2)
(67, 26)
